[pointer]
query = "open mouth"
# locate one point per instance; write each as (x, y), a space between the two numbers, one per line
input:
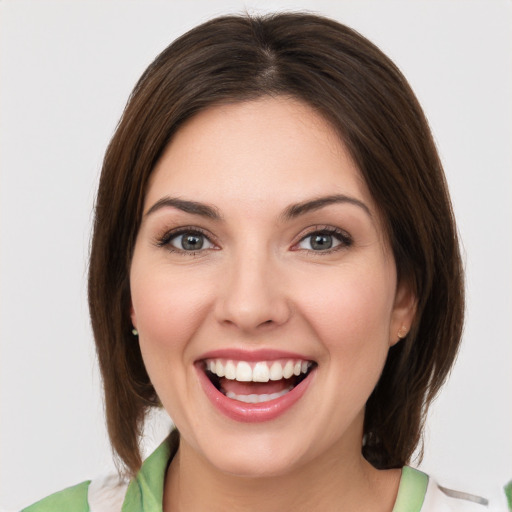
(258, 381)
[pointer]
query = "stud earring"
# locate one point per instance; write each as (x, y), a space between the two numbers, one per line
(402, 332)
(135, 332)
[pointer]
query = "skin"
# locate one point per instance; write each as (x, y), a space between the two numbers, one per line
(258, 283)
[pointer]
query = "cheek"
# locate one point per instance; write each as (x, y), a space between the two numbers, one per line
(168, 310)
(350, 310)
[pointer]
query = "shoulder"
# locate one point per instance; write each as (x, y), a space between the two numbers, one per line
(419, 492)
(111, 493)
(442, 499)
(72, 499)
(439, 498)
(103, 494)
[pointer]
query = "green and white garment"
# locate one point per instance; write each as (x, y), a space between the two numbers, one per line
(417, 493)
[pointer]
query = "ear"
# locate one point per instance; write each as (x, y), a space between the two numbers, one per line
(404, 311)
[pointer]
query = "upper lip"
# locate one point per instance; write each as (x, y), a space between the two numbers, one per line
(265, 354)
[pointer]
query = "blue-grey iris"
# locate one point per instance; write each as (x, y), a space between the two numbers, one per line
(321, 242)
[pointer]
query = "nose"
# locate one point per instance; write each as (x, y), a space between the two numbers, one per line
(253, 295)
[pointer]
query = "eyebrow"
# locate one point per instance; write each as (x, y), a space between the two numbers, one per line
(193, 207)
(295, 210)
(291, 212)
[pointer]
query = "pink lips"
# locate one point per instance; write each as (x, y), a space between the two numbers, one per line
(245, 412)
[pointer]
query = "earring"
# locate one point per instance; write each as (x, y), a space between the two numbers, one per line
(402, 332)
(135, 332)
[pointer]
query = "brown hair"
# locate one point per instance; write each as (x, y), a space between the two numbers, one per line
(367, 100)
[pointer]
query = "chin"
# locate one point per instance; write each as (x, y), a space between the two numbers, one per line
(260, 454)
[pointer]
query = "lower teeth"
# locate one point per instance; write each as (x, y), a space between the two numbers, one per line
(257, 399)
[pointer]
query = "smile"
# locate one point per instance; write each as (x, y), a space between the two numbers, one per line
(254, 390)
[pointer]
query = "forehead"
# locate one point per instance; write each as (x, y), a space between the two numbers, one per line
(276, 150)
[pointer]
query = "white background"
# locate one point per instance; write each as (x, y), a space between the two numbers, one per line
(66, 71)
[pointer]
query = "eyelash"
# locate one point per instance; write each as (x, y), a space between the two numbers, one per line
(341, 236)
(168, 236)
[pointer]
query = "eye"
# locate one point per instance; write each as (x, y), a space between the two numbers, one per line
(325, 240)
(186, 241)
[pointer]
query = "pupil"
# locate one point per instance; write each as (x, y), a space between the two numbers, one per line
(321, 242)
(192, 242)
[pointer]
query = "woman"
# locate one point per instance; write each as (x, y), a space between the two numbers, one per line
(275, 262)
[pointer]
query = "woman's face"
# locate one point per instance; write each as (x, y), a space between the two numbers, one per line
(263, 289)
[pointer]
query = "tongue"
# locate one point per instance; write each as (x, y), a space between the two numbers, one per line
(256, 388)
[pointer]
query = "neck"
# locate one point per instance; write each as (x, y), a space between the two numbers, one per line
(333, 482)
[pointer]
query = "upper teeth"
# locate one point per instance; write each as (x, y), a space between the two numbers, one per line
(261, 371)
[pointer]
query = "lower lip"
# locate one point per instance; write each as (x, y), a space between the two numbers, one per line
(252, 413)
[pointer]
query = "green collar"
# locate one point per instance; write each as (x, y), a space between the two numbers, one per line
(145, 492)
(411, 491)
